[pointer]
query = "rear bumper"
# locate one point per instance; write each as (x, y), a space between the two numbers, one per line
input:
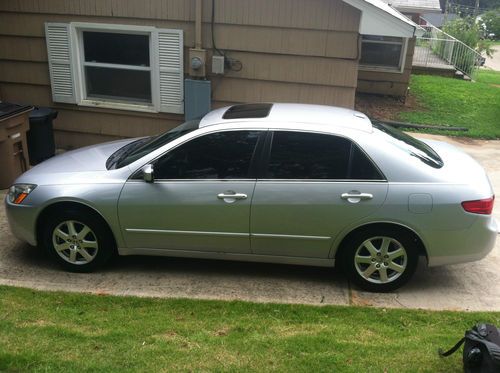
(461, 246)
(21, 220)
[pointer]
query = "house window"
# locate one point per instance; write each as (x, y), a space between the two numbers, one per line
(383, 53)
(123, 67)
(117, 66)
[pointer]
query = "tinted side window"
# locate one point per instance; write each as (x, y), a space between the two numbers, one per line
(361, 167)
(223, 155)
(299, 155)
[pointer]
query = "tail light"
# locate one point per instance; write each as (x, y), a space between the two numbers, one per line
(480, 206)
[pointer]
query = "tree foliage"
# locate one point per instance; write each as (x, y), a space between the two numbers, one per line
(483, 4)
(469, 32)
(490, 21)
(464, 29)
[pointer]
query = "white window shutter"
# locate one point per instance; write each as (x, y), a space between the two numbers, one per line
(59, 52)
(171, 70)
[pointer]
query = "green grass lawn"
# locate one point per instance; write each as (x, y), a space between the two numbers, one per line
(453, 102)
(43, 331)
(489, 77)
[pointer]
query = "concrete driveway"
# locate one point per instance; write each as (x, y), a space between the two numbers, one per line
(474, 286)
(493, 62)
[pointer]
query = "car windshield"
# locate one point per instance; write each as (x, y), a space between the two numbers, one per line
(139, 148)
(411, 145)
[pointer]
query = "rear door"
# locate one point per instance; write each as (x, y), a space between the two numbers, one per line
(312, 186)
(200, 199)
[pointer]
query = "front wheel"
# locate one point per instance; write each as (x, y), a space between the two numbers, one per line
(78, 241)
(380, 261)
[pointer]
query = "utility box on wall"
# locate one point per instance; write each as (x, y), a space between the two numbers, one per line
(197, 98)
(197, 62)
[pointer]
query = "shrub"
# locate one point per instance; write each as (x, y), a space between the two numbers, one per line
(490, 22)
(464, 29)
(469, 32)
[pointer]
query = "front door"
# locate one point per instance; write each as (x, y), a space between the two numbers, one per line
(314, 186)
(200, 199)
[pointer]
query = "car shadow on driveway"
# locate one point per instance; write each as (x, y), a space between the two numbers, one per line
(140, 264)
(24, 265)
(451, 287)
(32, 258)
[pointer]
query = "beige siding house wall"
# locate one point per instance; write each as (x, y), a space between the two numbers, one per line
(292, 51)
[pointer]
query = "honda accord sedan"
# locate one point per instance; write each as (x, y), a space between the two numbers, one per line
(281, 183)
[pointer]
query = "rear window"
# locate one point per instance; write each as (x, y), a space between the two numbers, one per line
(411, 145)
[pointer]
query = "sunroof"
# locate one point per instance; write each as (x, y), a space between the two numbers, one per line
(247, 111)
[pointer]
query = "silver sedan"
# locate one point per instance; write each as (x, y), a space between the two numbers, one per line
(282, 183)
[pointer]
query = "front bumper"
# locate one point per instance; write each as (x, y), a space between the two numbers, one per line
(461, 246)
(22, 220)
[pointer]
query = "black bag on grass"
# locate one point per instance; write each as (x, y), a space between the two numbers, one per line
(481, 349)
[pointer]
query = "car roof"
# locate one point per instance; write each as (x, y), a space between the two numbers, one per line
(330, 116)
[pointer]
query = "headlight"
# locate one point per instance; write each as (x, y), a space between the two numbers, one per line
(18, 192)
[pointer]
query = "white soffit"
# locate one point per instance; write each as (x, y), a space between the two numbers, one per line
(415, 6)
(378, 18)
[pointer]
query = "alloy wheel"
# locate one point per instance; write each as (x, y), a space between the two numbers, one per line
(380, 260)
(75, 242)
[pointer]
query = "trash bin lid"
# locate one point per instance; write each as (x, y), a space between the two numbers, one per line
(9, 108)
(42, 113)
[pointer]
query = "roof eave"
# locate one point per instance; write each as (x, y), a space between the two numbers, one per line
(419, 10)
(378, 18)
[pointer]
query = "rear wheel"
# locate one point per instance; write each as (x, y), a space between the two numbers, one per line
(380, 261)
(78, 241)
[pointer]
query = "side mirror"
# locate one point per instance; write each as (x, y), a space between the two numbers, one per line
(148, 173)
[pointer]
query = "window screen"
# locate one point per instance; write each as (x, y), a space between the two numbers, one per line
(118, 84)
(223, 155)
(381, 51)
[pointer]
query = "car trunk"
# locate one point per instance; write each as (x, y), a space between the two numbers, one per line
(461, 168)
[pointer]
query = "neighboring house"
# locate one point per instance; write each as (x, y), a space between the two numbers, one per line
(414, 9)
(117, 68)
(438, 19)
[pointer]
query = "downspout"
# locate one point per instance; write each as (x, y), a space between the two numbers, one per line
(198, 55)
(197, 43)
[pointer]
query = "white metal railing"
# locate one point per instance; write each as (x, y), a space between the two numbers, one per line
(435, 47)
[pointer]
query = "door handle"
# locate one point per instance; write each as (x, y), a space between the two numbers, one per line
(354, 197)
(231, 196)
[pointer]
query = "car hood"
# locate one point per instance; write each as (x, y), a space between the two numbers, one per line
(84, 160)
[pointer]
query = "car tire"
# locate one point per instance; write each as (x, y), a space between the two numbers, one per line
(380, 260)
(78, 241)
